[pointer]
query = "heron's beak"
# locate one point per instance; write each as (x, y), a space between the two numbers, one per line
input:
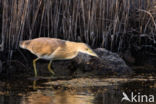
(90, 52)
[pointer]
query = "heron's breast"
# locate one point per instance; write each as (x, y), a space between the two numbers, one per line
(64, 55)
(46, 57)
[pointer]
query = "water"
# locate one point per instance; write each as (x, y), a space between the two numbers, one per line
(74, 91)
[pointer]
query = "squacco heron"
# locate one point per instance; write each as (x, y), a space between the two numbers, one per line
(54, 49)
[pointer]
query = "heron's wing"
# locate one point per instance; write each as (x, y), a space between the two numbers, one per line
(46, 46)
(56, 43)
(66, 51)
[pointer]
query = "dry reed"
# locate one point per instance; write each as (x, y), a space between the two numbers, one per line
(112, 24)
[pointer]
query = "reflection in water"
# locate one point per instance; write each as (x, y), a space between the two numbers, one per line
(34, 84)
(17, 92)
(57, 97)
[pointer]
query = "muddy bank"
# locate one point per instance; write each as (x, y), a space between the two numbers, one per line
(95, 82)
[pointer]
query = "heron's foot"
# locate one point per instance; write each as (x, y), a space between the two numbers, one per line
(49, 68)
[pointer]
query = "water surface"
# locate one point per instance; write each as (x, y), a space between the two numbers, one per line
(75, 90)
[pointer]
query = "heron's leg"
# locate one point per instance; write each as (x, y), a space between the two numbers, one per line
(49, 67)
(34, 65)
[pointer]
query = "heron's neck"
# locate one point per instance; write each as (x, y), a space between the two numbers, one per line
(72, 47)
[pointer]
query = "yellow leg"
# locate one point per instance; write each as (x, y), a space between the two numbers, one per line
(49, 68)
(34, 64)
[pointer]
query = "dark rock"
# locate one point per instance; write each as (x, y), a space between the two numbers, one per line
(127, 56)
(108, 63)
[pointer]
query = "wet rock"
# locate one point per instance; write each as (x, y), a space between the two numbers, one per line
(127, 56)
(108, 63)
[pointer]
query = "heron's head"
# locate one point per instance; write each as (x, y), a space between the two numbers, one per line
(24, 44)
(84, 48)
